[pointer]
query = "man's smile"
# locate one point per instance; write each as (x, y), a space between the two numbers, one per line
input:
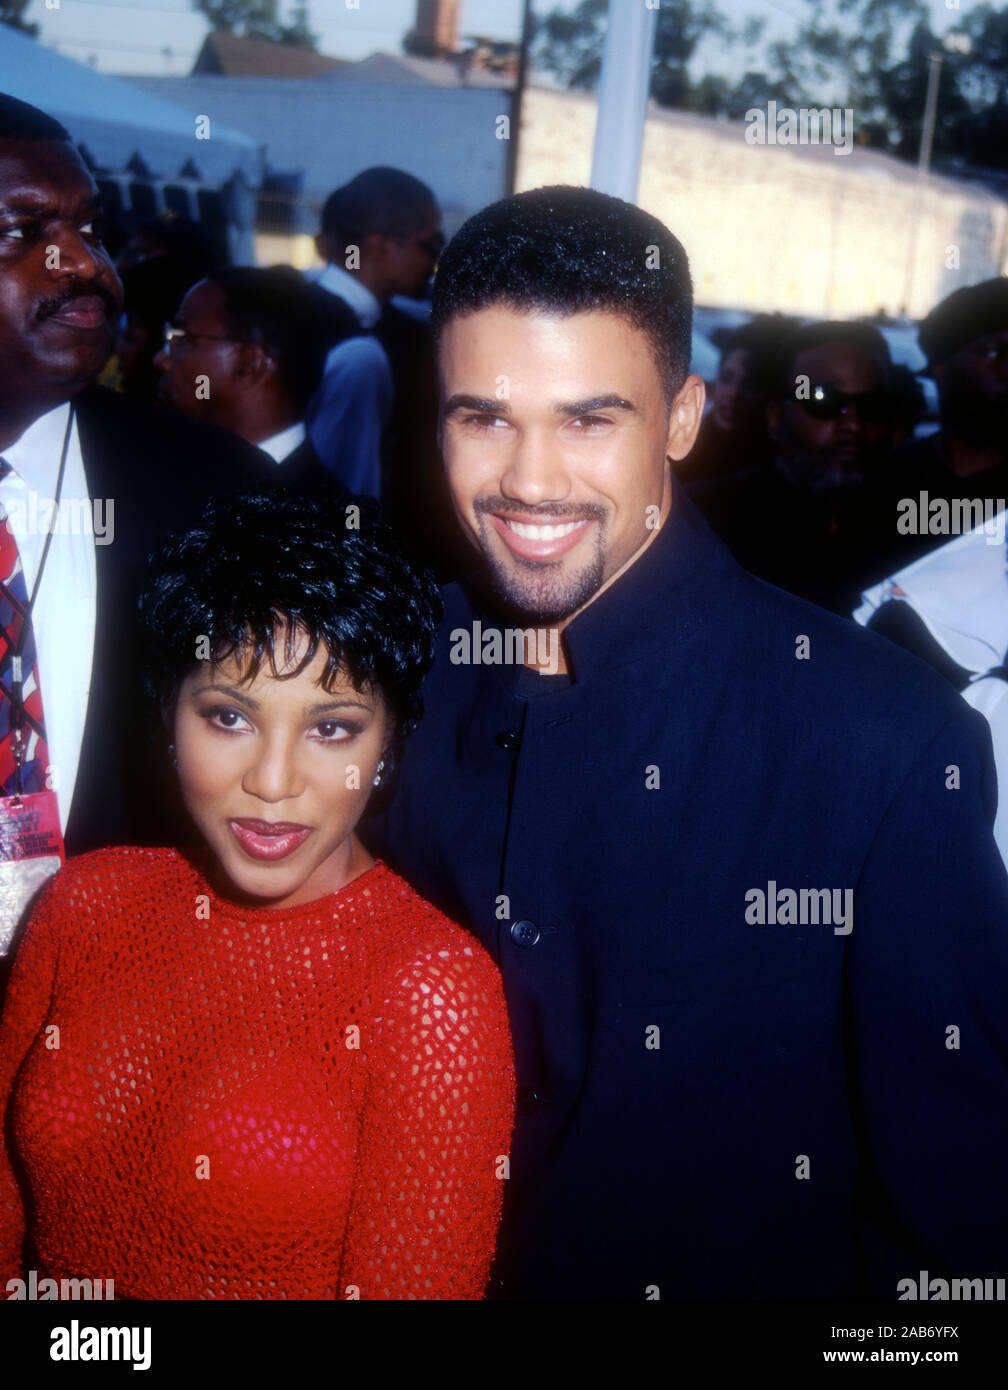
(539, 540)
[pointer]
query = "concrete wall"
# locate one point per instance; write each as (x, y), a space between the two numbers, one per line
(784, 227)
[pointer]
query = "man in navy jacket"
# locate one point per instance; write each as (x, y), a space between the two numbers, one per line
(732, 855)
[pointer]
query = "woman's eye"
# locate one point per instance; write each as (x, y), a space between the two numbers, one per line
(332, 731)
(24, 231)
(225, 718)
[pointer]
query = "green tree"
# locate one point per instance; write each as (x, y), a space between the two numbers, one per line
(569, 44)
(12, 14)
(259, 19)
(981, 76)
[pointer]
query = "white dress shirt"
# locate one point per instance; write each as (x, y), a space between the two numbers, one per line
(281, 446)
(960, 593)
(64, 616)
(348, 288)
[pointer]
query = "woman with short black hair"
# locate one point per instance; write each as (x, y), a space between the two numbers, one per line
(266, 1068)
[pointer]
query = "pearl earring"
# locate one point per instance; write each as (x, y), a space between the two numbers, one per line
(378, 772)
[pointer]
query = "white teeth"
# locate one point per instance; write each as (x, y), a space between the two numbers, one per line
(544, 533)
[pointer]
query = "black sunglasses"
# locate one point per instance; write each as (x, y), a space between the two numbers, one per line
(829, 403)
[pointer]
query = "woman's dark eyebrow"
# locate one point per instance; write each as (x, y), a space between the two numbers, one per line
(314, 711)
(232, 694)
(310, 712)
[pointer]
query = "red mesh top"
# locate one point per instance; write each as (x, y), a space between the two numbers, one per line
(194, 1118)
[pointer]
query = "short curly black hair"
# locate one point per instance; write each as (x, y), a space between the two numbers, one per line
(273, 562)
(567, 250)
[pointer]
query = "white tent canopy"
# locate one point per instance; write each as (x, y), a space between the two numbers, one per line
(118, 124)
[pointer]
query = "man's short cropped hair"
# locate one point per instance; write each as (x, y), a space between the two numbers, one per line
(274, 308)
(21, 121)
(379, 200)
(567, 250)
(863, 337)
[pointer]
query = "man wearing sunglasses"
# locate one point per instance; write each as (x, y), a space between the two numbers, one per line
(965, 341)
(816, 523)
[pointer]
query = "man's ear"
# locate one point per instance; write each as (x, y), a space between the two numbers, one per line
(253, 365)
(684, 417)
(773, 419)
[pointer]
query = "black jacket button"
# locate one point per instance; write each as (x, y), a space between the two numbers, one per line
(525, 933)
(528, 1100)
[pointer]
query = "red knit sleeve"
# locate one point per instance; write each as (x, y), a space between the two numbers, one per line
(435, 1131)
(29, 992)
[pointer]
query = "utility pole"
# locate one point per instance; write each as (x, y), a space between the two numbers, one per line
(923, 166)
(622, 98)
(518, 98)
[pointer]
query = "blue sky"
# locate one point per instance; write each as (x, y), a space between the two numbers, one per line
(162, 37)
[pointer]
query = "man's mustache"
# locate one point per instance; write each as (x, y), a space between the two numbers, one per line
(53, 305)
(569, 510)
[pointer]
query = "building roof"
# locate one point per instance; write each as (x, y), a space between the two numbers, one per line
(404, 69)
(118, 126)
(230, 55)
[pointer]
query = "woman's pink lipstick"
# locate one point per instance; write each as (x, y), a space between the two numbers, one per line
(271, 840)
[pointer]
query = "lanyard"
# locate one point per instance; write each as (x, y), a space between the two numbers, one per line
(17, 718)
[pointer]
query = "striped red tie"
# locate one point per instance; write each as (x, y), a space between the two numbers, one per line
(13, 610)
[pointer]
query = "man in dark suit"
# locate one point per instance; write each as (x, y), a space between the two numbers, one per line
(732, 854)
(106, 475)
(256, 336)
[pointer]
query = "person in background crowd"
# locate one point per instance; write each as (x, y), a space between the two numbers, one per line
(374, 419)
(170, 238)
(380, 236)
(332, 1055)
(635, 760)
(115, 471)
(910, 407)
(733, 434)
(816, 523)
(152, 290)
(254, 337)
(160, 259)
(950, 608)
(965, 341)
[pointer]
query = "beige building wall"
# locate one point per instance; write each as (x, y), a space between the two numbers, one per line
(793, 228)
